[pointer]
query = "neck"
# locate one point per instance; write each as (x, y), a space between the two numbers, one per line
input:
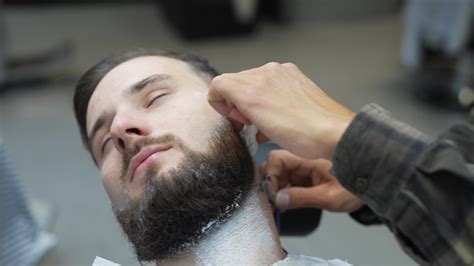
(250, 237)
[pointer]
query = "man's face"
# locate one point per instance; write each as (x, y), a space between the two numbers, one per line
(172, 167)
(132, 110)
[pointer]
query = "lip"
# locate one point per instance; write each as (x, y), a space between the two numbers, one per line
(141, 157)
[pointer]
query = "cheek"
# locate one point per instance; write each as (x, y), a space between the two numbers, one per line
(112, 185)
(197, 129)
(191, 118)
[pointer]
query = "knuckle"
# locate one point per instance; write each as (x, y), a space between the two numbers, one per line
(218, 80)
(215, 83)
(272, 65)
(331, 201)
(291, 66)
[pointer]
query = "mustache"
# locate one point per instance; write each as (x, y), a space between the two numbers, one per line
(139, 145)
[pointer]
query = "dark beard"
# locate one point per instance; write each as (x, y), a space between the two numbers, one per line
(183, 205)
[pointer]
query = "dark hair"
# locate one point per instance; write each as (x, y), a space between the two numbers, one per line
(88, 82)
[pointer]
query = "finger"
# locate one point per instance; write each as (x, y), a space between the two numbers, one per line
(333, 196)
(324, 165)
(310, 173)
(279, 163)
(217, 100)
(300, 180)
(321, 171)
(327, 196)
(236, 124)
(222, 100)
(296, 197)
(303, 172)
(221, 95)
(236, 115)
(290, 169)
(221, 106)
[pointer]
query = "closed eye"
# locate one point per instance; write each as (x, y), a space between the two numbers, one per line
(154, 99)
(104, 145)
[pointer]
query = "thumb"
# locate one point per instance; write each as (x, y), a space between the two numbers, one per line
(296, 197)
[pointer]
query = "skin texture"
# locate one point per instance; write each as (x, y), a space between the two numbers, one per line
(293, 112)
(136, 117)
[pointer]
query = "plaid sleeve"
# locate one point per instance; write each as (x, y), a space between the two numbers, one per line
(422, 189)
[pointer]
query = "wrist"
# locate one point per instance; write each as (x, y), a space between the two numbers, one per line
(337, 130)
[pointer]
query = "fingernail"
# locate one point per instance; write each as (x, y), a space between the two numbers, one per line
(282, 200)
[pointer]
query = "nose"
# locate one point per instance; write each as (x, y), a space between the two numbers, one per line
(126, 130)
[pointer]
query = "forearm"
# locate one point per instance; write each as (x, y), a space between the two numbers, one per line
(422, 189)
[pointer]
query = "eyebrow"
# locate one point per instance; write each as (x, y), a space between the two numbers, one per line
(107, 117)
(139, 86)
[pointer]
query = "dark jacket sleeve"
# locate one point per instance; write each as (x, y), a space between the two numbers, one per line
(422, 189)
(366, 216)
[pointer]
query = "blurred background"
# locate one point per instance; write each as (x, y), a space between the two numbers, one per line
(414, 58)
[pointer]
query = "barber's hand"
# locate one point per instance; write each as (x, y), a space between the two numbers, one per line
(286, 107)
(305, 183)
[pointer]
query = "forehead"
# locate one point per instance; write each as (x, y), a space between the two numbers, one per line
(120, 78)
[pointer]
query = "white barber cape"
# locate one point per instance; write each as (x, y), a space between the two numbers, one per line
(291, 259)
